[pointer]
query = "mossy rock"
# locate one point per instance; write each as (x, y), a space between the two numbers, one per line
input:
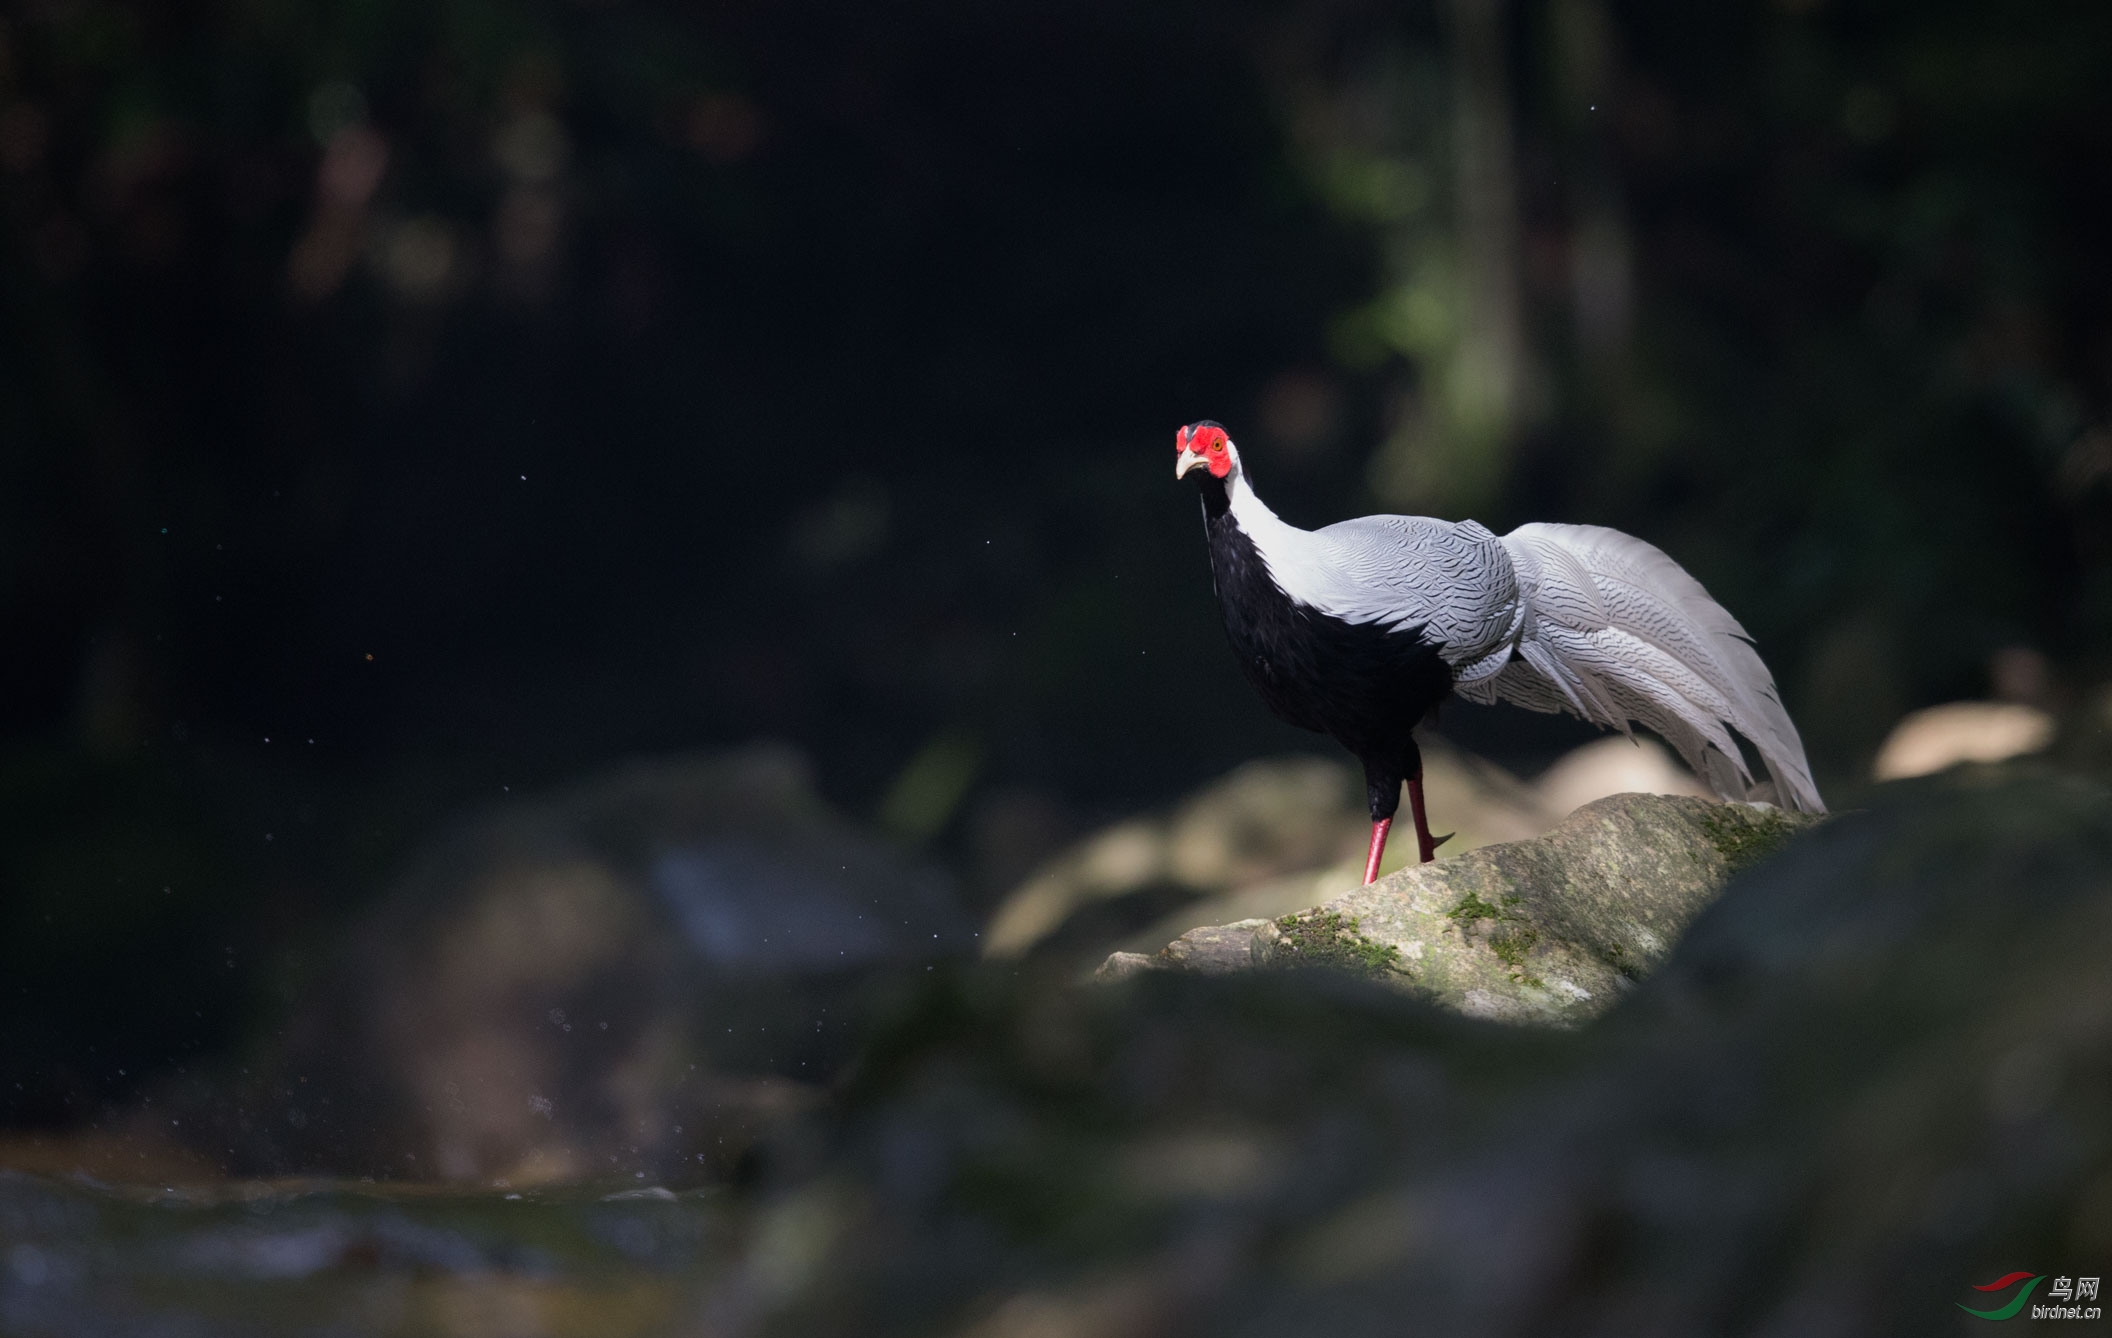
(1331, 939)
(1547, 931)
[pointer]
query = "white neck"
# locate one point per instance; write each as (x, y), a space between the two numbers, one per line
(1250, 511)
(1289, 553)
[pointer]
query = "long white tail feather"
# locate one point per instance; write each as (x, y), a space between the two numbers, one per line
(1617, 632)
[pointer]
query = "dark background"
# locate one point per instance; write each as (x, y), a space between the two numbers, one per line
(405, 405)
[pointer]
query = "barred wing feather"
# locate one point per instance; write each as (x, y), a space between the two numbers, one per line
(1615, 632)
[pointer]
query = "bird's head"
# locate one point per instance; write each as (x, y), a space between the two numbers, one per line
(1204, 444)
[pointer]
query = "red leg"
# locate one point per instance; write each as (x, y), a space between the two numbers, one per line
(1427, 843)
(1378, 848)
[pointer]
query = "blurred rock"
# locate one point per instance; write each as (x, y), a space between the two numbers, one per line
(1930, 740)
(630, 976)
(1873, 1075)
(81, 1259)
(1279, 836)
(1614, 765)
(1551, 930)
(1470, 796)
(1263, 820)
(1870, 1077)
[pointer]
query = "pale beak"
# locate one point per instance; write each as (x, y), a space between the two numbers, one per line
(1188, 461)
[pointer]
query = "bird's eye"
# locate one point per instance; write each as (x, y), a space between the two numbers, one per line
(1217, 445)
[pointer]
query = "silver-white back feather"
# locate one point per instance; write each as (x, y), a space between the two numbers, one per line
(1406, 572)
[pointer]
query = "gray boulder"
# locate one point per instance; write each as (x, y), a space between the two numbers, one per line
(1550, 930)
(631, 975)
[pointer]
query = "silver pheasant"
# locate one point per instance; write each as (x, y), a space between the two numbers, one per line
(1358, 629)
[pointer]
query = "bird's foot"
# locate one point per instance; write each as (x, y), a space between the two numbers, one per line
(1425, 844)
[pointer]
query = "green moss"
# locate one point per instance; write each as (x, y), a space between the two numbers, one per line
(1744, 838)
(1618, 956)
(1510, 936)
(1337, 941)
(1471, 908)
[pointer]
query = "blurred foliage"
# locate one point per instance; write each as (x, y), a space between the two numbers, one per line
(1813, 297)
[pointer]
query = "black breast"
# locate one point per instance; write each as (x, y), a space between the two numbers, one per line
(1364, 685)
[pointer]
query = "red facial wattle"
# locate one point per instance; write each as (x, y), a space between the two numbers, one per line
(1210, 443)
